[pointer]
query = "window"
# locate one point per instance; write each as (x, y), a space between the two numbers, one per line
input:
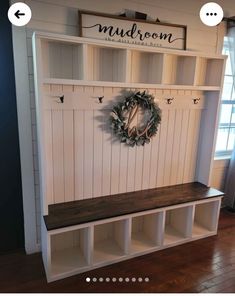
(226, 133)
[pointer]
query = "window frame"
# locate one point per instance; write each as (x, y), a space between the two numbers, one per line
(226, 153)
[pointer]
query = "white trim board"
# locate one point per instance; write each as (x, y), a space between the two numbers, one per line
(25, 136)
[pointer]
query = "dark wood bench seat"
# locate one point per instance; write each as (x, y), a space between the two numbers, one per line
(88, 210)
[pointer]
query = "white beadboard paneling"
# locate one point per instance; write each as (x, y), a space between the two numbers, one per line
(162, 149)
(58, 156)
(154, 159)
(189, 146)
(115, 165)
(49, 156)
(97, 164)
(146, 166)
(176, 147)
(79, 153)
(89, 146)
(98, 154)
(131, 169)
(123, 168)
(107, 154)
(68, 141)
(183, 145)
(169, 147)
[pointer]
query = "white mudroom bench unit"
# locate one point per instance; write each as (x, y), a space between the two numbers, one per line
(103, 201)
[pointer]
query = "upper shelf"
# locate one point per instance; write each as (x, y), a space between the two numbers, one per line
(100, 63)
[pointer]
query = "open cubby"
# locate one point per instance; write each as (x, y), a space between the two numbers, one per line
(205, 218)
(178, 225)
(146, 232)
(106, 64)
(109, 241)
(62, 60)
(69, 251)
(146, 67)
(178, 70)
(209, 72)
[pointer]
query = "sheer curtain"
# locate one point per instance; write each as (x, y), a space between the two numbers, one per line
(230, 181)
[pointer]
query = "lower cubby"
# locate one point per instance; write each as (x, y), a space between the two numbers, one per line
(146, 232)
(69, 251)
(205, 218)
(110, 241)
(178, 225)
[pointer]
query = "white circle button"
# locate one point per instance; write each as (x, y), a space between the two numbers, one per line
(211, 14)
(19, 14)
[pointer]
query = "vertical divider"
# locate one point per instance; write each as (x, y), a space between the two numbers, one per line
(127, 236)
(193, 216)
(217, 206)
(128, 65)
(164, 69)
(189, 221)
(90, 245)
(162, 230)
(86, 62)
(160, 221)
(197, 70)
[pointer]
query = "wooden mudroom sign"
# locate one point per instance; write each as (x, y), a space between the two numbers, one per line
(131, 31)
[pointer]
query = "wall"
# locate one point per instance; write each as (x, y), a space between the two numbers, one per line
(60, 16)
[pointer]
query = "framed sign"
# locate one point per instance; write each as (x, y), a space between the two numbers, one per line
(133, 31)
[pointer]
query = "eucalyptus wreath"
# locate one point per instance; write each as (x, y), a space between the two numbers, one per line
(124, 113)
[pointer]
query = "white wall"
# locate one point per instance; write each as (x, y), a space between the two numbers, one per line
(60, 16)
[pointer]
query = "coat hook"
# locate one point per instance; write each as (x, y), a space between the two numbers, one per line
(100, 99)
(196, 101)
(169, 100)
(61, 99)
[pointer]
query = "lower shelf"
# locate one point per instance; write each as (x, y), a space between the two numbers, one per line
(106, 250)
(172, 236)
(199, 230)
(140, 242)
(67, 260)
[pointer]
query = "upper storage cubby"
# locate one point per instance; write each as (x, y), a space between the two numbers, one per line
(62, 60)
(83, 61)
(178, 70)
(106, 64)
(146, 67)
(209, 72)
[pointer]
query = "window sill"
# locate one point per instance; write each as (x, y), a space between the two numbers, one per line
(222, 157)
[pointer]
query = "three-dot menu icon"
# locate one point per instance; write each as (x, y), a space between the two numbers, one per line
(211, 14)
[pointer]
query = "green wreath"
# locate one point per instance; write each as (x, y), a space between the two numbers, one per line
(124, 112)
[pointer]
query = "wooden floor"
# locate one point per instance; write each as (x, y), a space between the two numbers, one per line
(206, 265)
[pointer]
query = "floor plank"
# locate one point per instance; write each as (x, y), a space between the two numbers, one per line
(206, 266)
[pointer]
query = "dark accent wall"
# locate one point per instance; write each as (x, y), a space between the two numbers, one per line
(11, 205)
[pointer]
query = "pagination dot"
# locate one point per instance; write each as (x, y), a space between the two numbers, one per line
(88, 279)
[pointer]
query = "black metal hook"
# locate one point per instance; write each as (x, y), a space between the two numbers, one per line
(196, 101)
(169, 100)
(100, 99)
(61, 99)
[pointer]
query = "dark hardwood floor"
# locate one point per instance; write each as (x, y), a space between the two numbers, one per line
(206, 265)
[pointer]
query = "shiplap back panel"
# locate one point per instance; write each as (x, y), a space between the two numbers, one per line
(85, 160)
